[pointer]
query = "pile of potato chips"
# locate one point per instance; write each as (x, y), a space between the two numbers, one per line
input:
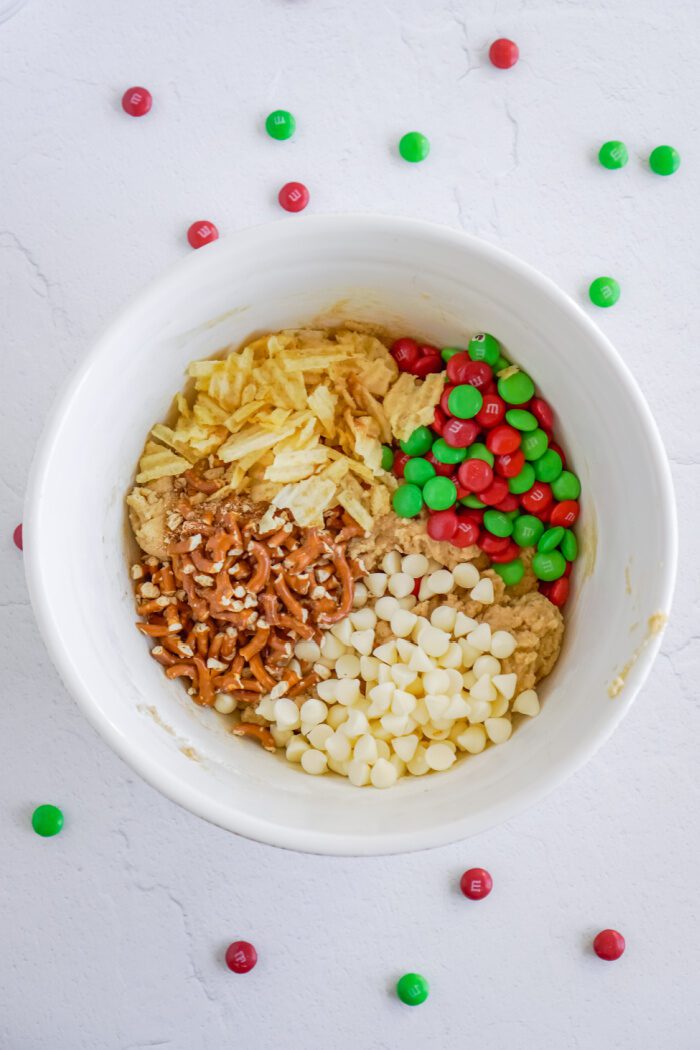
(296, 419)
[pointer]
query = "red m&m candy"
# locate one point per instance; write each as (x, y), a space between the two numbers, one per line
(400, 461)
(442, 524)
(459, 433)
(202, 232)
(495, 493)
(137, 101)
(427, 364)
(510, 464)
(17, 537)
(559, 590)
(405, 353)
(462, 370)
(542, 412)
(466, 533)
(443, 470)
(475, 474)
(241, 956)
(503, 53)
(294, 196)
(439, 421)
(491, 544)
(476, 883)
(502, 440)
(609, 945)
(492, 411)
(565, 513)
(508, 553)
(538, 499)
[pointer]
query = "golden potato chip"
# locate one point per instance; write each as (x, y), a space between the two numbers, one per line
(307, 500)
(353, 499)
(236, 420)
(158, 462)
(167, 436)
(253, 439)
(411, 403)
(295, 466)
(322, 403)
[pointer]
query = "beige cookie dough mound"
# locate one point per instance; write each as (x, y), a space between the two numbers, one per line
(150, 509)
(538, 627)
(409, 536)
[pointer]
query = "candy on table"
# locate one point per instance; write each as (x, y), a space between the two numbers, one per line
(604, 291)
(47, 820)
(17, 537)
(412, 989)
(503, 53)
(609, 945)
(613, 154)
(294, 196)
(241, 956)
(476, 883)
(664, 160)
(414, 147)
(202, 232)
(137, 101)
(280, 124)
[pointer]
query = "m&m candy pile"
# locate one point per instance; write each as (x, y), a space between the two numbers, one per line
(489, 470)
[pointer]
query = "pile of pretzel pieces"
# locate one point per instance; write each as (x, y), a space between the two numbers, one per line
(234, 596)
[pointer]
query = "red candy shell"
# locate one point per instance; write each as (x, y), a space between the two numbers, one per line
(476, 884)
(294, 196)
(427, 365)
(476, 475)
(439, 420)
(445, 397)
(467, 532)
(137, 101)
(241, 956)
(400, 461)
(461, 369)
(542, 412)
(509, 464)
(565, 513)
(537, 499)
(507, 554)
(202, 232)
(443, 470)
(503, 440)
(495, 493)
(442, 524)
(559, 591)
(459, 433)
(609, 945)
(491, 544)
(405, 353)
(508, 504)
(504, 53)
(492, 411)
(17, 537)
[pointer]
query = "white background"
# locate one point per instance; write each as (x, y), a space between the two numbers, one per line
(113, 933)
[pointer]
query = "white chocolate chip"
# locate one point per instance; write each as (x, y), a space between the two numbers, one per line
(365, 749)
(405, 746)
(363, 642)
(308, 650)
(480, 638)
(391, 562)
(359, 598)
(342, 630)
(383, 774)
(466, 575)
(376, 583)
(296, 748)
(439, 756)
(483, 592)
(498, 730)
(483, 689)
(486, 665)
(358, 773)
(287, 714)
(363, 619)
(319, 735)
(347, 666)
(506, 684)
(224, 703)
(472, 740)
(441, 582)
(402, 623)
(400, 584)
(527, 703)
(444, 617)
(416, 565)
(313, 712)
(314, 762)
(503, 644)
(386, 607)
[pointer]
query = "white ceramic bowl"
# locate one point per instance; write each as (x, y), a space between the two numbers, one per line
(415, 278)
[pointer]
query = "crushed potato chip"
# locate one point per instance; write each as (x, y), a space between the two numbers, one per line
(158, 462)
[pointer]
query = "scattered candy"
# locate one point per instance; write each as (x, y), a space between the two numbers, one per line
(137, 101)
(664, 160)
(414, 147)
(604, 291)
(280, 124)
(503, 53)
(609, 945)
(294, 196)
(17, 537)
(47, 820)
(440, 493)
(412, 989)
(613, 154)
(202, 232)
(241, 957)
(476, 883)
(407, 501)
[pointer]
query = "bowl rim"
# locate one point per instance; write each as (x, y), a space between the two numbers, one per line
(191, 797)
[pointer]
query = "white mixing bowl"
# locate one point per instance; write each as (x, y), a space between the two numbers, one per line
(414, 278)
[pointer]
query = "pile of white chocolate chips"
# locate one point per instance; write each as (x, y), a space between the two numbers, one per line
(401, 691)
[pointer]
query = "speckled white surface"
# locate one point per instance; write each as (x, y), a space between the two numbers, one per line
(113, 933)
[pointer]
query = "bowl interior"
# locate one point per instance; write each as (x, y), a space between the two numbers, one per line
(411, 278)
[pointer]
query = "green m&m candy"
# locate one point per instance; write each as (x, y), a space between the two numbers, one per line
(516, 389)
(412, 989)
(387, 458)
(280, 124)
(439, 493)
(523, 481)
(445, 453)
(414, 147)
(418, 471)
(498, 523)
(484, 347)
(521, 419)
(47, 820)
(549, 466)
(569, 545)
(449, 351)
(550, 539)
(417, 443)
(527, 530)
(502, 363)
(480, 451)
(407, 501)
(613, 154)
(664, 160)
(548, 566)
(465, 401)
(534, 444)
(604, 291)
(566, 486)
(511, 572)
(472, 501)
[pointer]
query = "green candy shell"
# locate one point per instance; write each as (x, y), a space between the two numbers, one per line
(47, 820)
(418, 470)
(516, 389)
(527, 530)
(480, 451)
(484, 347)
(440, 493)
(569, 545)
(511, 572)
(412, 989)
(407, 501)
(498, 523)
(549, 566)
(534, 444)
(523, 481)
(445, 453)
(387, 457)
(414, 147)
(417, 443)
(521, 419)
(549, 466)
(566, 486)
(550, 539)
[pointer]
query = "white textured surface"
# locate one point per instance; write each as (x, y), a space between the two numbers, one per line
(113, 932)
